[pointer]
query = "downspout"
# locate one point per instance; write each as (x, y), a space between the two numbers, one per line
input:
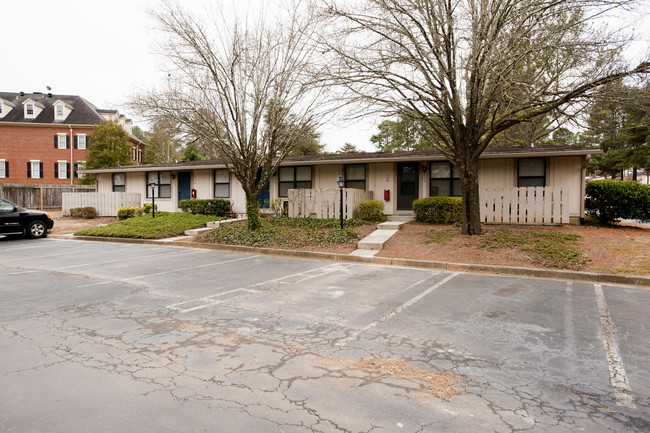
(71, 163)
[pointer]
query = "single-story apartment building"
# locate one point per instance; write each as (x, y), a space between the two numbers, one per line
(396, 178)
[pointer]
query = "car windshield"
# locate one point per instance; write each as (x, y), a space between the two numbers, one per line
(5, 206)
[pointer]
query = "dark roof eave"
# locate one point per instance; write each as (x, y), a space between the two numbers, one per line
(363, 158)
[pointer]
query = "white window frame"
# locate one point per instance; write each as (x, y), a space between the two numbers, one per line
(3, 174)
(81, 165)
(59, 110)
(36, 168)
(61, 141)
(29, 110)
(85, 141)
(63, 169)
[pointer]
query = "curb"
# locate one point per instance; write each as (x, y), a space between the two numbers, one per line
(591, 277)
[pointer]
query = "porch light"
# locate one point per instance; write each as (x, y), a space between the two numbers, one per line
(424, 169)
(152, 185)
(341, 183)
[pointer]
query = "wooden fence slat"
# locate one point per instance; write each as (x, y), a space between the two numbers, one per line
(534, 205)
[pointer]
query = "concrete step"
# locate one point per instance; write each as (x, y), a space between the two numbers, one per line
(391, 225)
(404, 218)
(194, 232)
(375, 240)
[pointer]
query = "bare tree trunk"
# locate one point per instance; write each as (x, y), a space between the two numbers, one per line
(468, 173)
(253, 212)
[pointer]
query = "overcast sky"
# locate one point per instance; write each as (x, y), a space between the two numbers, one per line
(103, 51)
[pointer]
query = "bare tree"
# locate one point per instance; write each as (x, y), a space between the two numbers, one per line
(467, 70)
(244, 88)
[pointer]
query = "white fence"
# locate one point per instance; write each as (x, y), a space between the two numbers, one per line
(539, 205)
(326, 203)
(106, 204)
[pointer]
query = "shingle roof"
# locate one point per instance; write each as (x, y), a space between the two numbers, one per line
(83, 113)
(364, 157)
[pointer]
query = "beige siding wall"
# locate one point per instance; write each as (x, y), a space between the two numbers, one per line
(567, 172)
(324, 176)
(201, 181)
(497, 173)
(380, 177)
(237, 196)
(104, 183)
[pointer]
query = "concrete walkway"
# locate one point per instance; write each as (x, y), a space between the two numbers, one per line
(374, 242)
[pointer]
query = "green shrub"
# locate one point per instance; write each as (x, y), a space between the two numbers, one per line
(127, 212)
(89, 212)
(147, 207)
(611, 200)
(216, 207)
(438, 210)
(75, 212)
(371, 210)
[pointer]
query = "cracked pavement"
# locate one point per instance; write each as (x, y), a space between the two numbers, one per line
(108, 337)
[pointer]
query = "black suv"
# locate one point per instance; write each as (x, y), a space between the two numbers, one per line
(14, 219)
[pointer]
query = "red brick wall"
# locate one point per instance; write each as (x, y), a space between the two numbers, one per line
(20, 144)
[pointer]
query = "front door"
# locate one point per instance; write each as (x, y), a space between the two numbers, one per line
(184, 186)
(407, 185)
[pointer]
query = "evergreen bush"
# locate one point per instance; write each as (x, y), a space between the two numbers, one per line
(438, 210)
(371, 210)
(612, 200)
(217, 207)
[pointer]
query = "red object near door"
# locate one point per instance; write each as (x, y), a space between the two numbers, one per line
(386, 195)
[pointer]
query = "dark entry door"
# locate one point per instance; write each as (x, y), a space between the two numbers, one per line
(265, 197)
(407, 185)
(184, 186)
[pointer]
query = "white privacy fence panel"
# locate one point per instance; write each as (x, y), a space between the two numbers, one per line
(326, 203)
(106, 204)
(537, 205)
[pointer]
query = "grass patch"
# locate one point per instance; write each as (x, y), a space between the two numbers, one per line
(548, 248)
(287, 233)
(165, 225)
(442, 236)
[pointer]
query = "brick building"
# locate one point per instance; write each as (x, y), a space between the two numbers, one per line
(44, 137)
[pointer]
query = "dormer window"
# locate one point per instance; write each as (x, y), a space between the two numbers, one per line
(5, 107)
(61, 110)
(32, 109)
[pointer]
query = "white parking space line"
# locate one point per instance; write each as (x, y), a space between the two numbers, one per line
(173, 253)
(399, 309)
(189, 268)
(58, 254)
(264, 286)
(617, 376)
(569, 328)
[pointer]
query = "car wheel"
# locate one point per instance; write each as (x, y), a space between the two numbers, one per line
(36, 229)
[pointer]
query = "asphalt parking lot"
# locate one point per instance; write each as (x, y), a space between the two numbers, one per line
(110, 337)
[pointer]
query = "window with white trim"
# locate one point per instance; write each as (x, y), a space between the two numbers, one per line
(59, 110)
(81, 141)
(4, 169)
(61, 169)
(79, 165)
(62, 141)
(222, 183)
(163, 181)
(29, 109)
(133, 154)
(35, 169)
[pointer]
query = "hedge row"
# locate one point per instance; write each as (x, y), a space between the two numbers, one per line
(371, 210)
(438, 210)
(612, 200)
(217, 207)
(83, 212)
